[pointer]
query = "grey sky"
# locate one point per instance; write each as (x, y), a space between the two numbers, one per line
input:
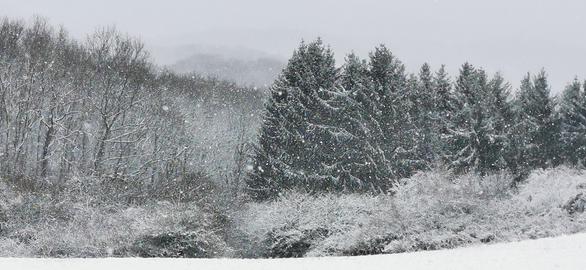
(508, 36)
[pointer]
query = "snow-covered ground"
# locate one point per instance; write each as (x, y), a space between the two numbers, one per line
(565, 252)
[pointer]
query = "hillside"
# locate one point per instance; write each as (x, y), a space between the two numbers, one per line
(258, 72)
(241, 65)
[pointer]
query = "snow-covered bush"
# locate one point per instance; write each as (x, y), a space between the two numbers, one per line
(173, 245)
(40, 225)
(431, 210)
(299, 221)
(547, 188)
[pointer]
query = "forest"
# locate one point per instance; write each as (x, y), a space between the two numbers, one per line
(104, 153)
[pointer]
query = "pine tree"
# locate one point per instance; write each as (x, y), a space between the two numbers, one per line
(387, 72)
(573, 123)
(358, 115)
(397, 123)
(500, 93)
(283, 156)
(537, 131)
(355, 74)
(520, 139)
(313, 135)
(443, 97)
(425, 114)
(415, 134)
(499, 111)
(462, 143)
(443, 107)
(476, 139)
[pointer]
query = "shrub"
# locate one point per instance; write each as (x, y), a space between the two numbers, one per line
(174, 245)
(429, 211)
(40, 225)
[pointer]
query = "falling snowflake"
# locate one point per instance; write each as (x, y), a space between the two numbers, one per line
(87, 125)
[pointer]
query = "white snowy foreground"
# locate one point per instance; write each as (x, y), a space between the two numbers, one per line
(565, 252)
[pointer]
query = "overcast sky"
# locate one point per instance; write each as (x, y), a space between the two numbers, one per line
(511, 36)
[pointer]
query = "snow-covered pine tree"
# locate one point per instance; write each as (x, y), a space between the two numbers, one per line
(537, 130)
(475, 138)
(443, 103)
(306, 140)
(387, 72)
(573, 123)
(282, 157)
(499, 111)
(413, 136)
(500, 93)
(462, 143)
(424, 111)
(390, 83)
(519, 139)
(355, 75)
(362, 161)
(443, 97)
(366, 108)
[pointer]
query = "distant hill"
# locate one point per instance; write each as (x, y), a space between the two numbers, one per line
(259, 72)
(241, 65)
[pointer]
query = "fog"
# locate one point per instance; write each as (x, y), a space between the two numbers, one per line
(513, 37)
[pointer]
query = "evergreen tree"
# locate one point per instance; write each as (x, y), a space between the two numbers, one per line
(573, 127)
(312, 136)
(443, 106)
(443, 97)
(387, 72)
(426, 113)
(500, 93)
(462, 143)
(359, 110)
(499, 111)
(397, 123)
(537, 131)
(281, 157)
(355, 75)
(520, 165)
(475, 137)
(415, 134)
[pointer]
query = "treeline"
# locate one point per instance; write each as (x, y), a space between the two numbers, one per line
(100, 109)
(369, 124)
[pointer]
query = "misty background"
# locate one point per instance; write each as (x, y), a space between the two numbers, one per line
(513, 37)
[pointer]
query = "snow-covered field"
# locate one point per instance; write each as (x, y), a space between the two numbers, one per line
(565, 252)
